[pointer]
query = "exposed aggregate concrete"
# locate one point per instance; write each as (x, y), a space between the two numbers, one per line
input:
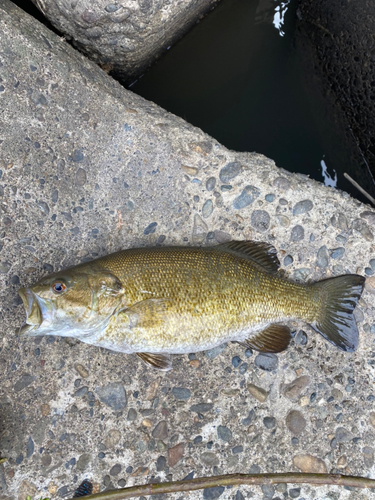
(88, 168)
(126, 36)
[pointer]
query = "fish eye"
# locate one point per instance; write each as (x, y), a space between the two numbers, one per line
(59, 286)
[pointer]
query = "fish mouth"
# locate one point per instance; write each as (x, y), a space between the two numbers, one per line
(34, 316)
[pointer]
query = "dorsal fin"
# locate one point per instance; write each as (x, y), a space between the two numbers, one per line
(259, 253)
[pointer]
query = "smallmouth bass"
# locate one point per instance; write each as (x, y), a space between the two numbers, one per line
(174, 300)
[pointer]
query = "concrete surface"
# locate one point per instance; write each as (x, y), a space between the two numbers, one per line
(87, 168)
(124, 37)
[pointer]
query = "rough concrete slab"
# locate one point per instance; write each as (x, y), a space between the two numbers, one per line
(88, 168)
(124, 37)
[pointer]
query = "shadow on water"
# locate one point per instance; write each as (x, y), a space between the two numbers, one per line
(245, 75)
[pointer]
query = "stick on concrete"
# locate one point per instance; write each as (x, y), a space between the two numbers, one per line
(355, 184)
(233, 480)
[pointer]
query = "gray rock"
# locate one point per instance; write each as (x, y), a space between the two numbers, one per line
(297, 233)
(323, 257)
(368, 456)
(29, 448)
(295, 422)
(362, 228)
(230, 171)
(343, 435)
(82, 391)
(246, 198)
(161, 463)
(239, 495)
(161, 430)
(200, 229)
(302, 207)
(201, 407)
(294, 492)
(77, 157)
(269, 197)
(115, 470)
(337, 253)
(113, 395)
(43, 207)
(267, 361)
(222, 236)
(288, 260)
(24, 382)
(224, 433)
(132, 414)
(181, 393)
(301, 274)
(81, 176)
(268, 491)
(209, 458)
(213, 493)
(282, 184)
(210, 184)
(237, 449)
(301, 338)
(83, 461)
(5, 267)
(269, 422)
(369, 217)
(151, 228)
(213, 353)
(296, 387)
(207, 209)
(260, 220)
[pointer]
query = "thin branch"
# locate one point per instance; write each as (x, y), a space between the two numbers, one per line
(233, 480)
(355, 184)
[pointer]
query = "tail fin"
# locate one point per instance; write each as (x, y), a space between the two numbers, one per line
(335, 321)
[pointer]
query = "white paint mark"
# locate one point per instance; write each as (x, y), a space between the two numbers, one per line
(278, 18)
(328, 180)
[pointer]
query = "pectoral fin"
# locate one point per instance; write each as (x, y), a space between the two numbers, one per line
(275, 338)
(159, 361)
(148, 313)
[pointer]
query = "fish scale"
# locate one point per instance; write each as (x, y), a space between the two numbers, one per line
(231, 295)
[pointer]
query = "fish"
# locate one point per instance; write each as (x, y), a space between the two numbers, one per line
(160, 301)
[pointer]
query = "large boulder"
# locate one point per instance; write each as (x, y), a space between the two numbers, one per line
(124, 37)
(88, 168)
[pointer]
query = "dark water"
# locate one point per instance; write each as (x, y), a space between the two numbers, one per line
(239, 80)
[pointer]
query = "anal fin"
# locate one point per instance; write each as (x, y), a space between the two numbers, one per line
(159, 361)
(275, 338)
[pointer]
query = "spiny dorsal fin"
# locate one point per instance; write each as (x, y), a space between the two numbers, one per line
(159, 361)
(275, 338)
(260, 253)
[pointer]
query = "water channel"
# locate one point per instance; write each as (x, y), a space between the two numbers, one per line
(244, 75)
